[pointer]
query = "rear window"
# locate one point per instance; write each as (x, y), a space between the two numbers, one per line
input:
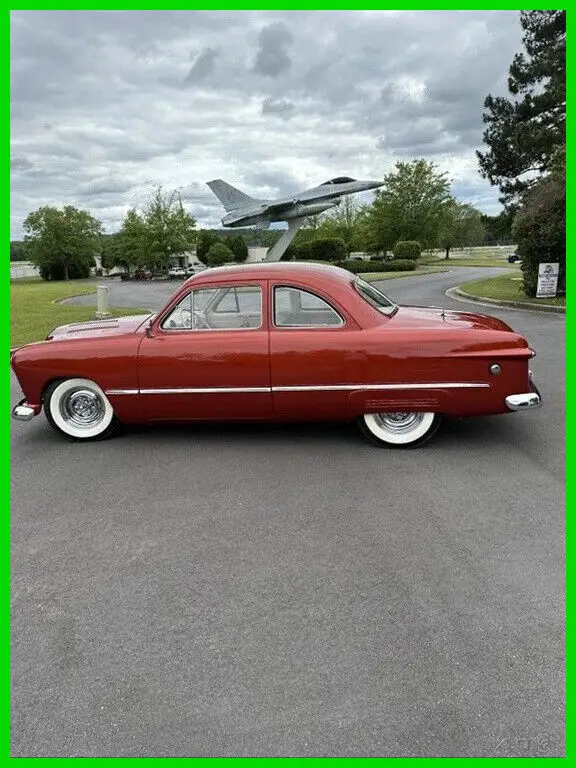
(375, 297)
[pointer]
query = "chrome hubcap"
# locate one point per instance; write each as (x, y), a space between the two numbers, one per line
(82, 408)
(399, 423)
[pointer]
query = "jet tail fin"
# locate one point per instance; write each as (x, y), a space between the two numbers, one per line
(230, 197)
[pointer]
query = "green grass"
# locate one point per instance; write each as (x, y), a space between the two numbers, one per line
(506, 288)
(372, 276)
(33, 314)
(471, 261)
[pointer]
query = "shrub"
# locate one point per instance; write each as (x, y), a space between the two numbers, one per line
(400, 265)
(358, 266)
(56, 271)
(540, 231)
(328, 249)
(219, 254)
(407, 249)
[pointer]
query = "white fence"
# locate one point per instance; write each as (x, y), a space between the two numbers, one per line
(23, 269)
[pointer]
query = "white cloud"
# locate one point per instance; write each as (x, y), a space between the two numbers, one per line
(107, 103)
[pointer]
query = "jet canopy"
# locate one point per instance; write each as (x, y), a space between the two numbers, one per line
(337, 180)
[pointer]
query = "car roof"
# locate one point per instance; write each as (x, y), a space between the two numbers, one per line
(285, 270)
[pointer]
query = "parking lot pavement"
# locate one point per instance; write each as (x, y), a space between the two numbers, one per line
(293, 590)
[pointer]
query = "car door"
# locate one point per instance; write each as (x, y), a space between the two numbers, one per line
(208, 357)
(312, 353)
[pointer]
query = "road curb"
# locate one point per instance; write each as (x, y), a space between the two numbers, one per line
(460, 295)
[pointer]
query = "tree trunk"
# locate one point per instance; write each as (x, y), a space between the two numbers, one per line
(447, 252)
(66, 272)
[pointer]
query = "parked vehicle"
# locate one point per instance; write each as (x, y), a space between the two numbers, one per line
(143, 274)
(193, 269)
(177, 272)
(279, 341)
(513, 257)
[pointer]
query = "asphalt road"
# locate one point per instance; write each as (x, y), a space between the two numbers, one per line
(293, 590)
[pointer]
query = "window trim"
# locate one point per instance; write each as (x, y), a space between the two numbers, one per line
(343, 320)
(209, 287)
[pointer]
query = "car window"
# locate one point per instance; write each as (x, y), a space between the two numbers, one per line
(297, 308)
(223, 308)
(374, 297)
(244, 299)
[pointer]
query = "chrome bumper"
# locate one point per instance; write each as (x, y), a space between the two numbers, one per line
(23, 412)
(527, 400)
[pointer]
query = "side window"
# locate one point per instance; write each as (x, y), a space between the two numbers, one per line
(296, 308)
(226, 308)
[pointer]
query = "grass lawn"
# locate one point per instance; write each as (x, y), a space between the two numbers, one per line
(506, 288)
(472, 261)
(33, 314)
(372, 276)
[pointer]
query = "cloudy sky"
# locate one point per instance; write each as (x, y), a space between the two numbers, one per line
(105, 104)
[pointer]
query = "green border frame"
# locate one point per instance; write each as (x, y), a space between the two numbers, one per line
(239, 5)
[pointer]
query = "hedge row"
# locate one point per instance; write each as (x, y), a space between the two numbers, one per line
(359, 265)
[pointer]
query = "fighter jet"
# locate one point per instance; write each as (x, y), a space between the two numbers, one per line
(245, 211)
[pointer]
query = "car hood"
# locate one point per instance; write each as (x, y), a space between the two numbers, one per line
(436, 317)
(113, 326)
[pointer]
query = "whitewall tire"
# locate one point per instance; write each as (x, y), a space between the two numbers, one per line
(79, 410)
(399, 430)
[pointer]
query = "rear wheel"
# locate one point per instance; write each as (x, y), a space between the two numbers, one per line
(79, 410)
(399, 429)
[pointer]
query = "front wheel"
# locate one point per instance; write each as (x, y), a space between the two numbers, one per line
(399, 430)
(79, 410)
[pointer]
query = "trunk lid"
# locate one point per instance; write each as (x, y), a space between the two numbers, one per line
(436, 317)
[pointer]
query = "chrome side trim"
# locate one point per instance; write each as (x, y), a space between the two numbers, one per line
(378, 387)
(204, 391)
(299, 388)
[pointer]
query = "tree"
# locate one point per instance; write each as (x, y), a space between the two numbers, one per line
(540, 226)
(497, 229)
(238, 247)
(523, 133)
(341, 222)
(18, 251)
(461, 225)
(409, 206)
(219, 254)
(206, 238)
(129, 248)
(169, 229)
(62, 242)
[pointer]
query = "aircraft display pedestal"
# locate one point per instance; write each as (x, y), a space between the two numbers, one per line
(278, 249)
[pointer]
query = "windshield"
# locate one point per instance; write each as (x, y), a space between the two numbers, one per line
(375, 297)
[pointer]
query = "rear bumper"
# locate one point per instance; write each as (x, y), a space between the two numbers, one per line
(523, 402)
(24, 412)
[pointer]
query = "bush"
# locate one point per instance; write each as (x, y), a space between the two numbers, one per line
(539, 229)
(219, 254)
(400, 265)
(328, 249)
(358, 266)
(56, 272)
(407, 249)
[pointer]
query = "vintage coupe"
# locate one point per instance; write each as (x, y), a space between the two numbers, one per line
(277, 341)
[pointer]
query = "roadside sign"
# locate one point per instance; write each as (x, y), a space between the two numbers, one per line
(547, 280)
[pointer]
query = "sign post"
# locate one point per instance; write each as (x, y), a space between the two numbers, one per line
(547, 280)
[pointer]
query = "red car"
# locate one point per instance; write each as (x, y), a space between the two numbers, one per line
(277, 341)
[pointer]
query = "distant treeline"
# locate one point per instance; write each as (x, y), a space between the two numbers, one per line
(254, 238)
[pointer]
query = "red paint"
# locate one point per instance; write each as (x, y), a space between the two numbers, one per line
(415, 345)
